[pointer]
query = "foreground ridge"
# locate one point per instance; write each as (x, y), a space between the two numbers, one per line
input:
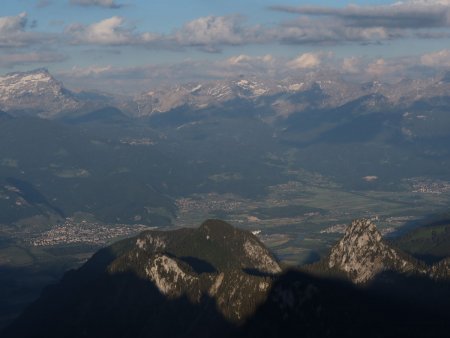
(362, 255)
(220, 281)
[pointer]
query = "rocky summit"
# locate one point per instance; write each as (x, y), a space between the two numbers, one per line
(206, 280)
(227, 264)
(362, 254)
(219, 281)
(35, 92)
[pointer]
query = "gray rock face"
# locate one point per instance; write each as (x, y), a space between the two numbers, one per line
(362, 254)
(283, 96)
(215, 260)
(35, 92)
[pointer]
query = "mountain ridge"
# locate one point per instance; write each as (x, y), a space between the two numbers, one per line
(207, 279)
(38, 92)
(362, 254)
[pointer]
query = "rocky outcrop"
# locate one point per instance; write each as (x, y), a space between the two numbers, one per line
(362, 254)
(216, 260)
(35, 92)
(219, 281)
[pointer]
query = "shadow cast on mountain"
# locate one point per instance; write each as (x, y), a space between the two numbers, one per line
(257, 273)
(32, 195)
(415, 290)
(120, 305)
(198, 265)
(90, 302)
(300, 304)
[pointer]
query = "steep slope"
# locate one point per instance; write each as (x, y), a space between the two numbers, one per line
(362, 254)
(363, 257)
(218, 281)
(35, 92)
(300, 305)
(228, 264)
(283, 96)
(203, 279)
(430, 242)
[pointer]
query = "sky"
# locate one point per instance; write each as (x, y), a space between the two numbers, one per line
(131, 45)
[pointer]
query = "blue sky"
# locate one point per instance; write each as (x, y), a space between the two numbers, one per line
(100, 40)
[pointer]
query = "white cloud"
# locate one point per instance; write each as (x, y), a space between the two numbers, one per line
(212, 32)
(306, 30)
(99, 3)
(436, 59)
(351, 65)
(381, 67)
(306, 61)
(246, 59)
(111, 31)
(245, 64)
(13, 24)
(106, 32)
(13, 32)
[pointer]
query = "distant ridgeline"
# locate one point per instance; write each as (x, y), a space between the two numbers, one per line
(219, 281)
(128, 159)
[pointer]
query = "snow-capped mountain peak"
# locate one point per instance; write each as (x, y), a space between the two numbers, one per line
(34, 92)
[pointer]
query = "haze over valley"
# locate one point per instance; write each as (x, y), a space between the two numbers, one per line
(313, 139)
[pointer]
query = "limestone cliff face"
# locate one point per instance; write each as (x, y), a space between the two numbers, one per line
(35, 91)
(362, 254)
(227, 264)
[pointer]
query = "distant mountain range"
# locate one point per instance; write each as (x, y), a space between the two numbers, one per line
(127, 159)
(220, 281)
(38, 92)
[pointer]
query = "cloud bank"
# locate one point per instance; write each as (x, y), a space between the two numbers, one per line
(98, 3)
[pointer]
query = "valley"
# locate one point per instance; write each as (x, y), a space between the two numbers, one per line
(266, 169)
(75, 181)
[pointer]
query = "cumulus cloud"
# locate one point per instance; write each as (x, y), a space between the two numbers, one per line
(388, 67)
(99, 3)
(308, 60)
(111, 31)
(312, 31)
(436, 59)
(245, 64)
(212, 32)
(13, 32)
(418, 18)
(313, 25)
(351, 65)
(209, 34)
(243, 59)
(10, 24)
